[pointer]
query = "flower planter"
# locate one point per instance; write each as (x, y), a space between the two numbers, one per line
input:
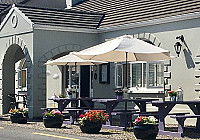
(18, 118)
(119, 97)
(146, 131)
(52, 122)
(119, 94)
(172, 98)
(91, 127)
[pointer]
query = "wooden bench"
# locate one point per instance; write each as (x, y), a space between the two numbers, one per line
(122, 110)
(48, 109)
(125, 117)
(181, 118)
(153, 113)
(156, 114)
(74, 113)
(13, 102)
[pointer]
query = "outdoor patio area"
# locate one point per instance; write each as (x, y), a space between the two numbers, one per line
(104, 133)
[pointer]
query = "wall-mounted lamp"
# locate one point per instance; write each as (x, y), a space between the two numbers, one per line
(181, 37)
(177, 48)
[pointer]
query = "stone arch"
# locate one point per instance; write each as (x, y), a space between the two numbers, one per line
(16, 50)
(149, 37)
(154, 40)
(62, 49)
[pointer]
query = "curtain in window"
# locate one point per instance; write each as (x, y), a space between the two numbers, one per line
(156, 77)
(119, 77)
(137, 75)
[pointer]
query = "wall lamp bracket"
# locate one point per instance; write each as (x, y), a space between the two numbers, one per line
(181, 37)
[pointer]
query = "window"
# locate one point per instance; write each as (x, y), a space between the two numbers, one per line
(22, 75)
(119, 75)
(142, 74)
(138, 75)
(156, 75)
(104, 73)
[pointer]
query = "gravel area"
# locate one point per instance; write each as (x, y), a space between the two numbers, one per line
(104, 133)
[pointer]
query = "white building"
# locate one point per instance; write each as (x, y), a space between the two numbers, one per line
(31, 35)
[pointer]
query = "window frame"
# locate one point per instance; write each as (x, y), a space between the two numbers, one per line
(116, 72)
(147, 74)
(105, 73)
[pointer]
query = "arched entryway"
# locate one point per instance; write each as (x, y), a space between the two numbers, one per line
(13, 54)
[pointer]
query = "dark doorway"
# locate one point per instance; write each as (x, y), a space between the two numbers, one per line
(85, 81)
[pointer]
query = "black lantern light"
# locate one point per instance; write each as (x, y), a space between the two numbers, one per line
(177, 48)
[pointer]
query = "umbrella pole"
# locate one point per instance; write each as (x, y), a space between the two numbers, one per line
(76, 92)
(126, 68)
(126, 79)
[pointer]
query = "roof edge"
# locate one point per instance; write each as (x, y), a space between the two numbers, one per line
(56, 9)
(14, 8)
(64, 29)
(151, 22)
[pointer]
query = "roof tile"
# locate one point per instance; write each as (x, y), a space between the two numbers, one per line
(119, 12)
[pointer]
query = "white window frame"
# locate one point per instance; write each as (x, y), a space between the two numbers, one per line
(116, 79)
(147, 74)
(131, 74)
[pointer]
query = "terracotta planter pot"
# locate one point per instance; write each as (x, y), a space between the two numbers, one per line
(146, 131)
(52, 122)
(18, 118)
(91, 127)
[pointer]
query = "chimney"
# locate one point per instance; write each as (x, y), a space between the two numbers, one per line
(70, 3)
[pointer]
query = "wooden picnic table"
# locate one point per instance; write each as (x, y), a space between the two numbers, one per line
(111, 104)
(164, 107)
(63, 102)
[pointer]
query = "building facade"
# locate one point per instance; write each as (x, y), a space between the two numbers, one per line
(31, 35)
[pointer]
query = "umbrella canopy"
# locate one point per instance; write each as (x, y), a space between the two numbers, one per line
(124, 48)
(72, 59)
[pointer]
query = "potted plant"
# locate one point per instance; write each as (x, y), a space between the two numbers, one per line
(91, 122)
(172, 95)
(145, 127)
(19, 115)
(62, 96)
(119, 93)
(53, 119)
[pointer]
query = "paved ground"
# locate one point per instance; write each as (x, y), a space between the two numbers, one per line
(73, 131)
(8, 132)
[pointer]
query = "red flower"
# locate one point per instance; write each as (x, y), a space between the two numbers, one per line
(81, 116)
(139, 119)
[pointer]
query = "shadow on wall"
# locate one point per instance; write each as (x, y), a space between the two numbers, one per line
(188, 56)
(188, 59)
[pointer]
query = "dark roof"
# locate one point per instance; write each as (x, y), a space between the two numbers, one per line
(64, 18)
(119, 12)
(3, 7)
(13, 1)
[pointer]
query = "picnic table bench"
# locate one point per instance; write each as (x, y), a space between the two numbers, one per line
(181, 119)
(125, 118)
(164, 107)
(156, 114)
(74, 113)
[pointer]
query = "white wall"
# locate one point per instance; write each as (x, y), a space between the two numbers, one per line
(181, 71)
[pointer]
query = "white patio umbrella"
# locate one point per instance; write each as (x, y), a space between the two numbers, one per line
(124, 48)
(72, 59)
